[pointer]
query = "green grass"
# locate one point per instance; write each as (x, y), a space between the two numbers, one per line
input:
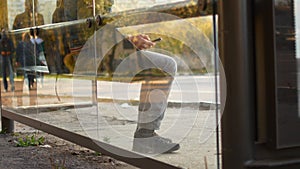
(4, 131)
(29, 141)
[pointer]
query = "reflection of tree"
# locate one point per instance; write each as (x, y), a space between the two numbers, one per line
(76, 35)
(3, 15)
(179, 48)
(82, 9)
(186, 57)
(85, 7)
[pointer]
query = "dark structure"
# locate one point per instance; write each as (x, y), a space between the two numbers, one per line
(255, 37)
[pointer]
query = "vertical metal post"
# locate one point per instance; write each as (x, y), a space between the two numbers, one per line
(7, 125)
(94, 92)
(236, 52)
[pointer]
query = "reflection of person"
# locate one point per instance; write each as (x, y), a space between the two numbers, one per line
(26, 18)
(54, 58)
(57, 39)
(59, 13)
(7, 49)
(40, 49)
(25, 57)
(153, 99)
(35, 38)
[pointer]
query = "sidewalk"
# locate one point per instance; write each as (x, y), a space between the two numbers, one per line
(114, 122)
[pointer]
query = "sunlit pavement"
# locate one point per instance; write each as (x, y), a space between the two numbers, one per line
(114, 121)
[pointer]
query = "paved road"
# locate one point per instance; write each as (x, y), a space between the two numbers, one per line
(184, 89)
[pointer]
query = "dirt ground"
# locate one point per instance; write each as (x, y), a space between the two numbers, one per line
(55, 153)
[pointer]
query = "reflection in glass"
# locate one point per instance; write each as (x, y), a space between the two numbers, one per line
(85, 8)
(297, 41)
(7, 50)
(127, 104)
(121, 5)
(3, 15)
(30, 17)
(118, 118)
(59, 13)
(25, 58)
(287, 72)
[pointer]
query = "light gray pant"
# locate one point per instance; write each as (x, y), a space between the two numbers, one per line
(155, 89)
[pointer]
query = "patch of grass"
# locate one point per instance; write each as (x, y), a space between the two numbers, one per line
(16, 134)
(29, 141)
(4, 131)
(98, 153)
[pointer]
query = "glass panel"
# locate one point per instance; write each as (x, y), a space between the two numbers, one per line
(105, 85)
(27, 14)
(287, 58)
(139, 91)
(63, 39)
(18, 18)
(45, 56)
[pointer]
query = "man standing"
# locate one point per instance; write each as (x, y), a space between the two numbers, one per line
(7, 49)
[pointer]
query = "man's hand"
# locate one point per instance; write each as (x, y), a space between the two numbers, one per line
(141, 41)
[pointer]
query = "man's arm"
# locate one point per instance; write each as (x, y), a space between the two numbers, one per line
(141, 41)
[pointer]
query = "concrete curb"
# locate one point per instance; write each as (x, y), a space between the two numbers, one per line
(64, 106)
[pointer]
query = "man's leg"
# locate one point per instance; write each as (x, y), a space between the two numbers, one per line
(153, 103)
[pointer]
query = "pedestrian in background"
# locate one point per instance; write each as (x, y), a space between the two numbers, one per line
(7, 49)
(25, 58)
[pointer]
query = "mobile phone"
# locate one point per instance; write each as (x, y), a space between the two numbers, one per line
(157, 40)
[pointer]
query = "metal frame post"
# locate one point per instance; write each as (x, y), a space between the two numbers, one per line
(237, 55)
(7, 124)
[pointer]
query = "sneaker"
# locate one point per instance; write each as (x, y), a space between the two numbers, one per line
(154, 144)
(12, 88)
(166, 139)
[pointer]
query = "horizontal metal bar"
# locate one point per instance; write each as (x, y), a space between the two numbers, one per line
(98, 146)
